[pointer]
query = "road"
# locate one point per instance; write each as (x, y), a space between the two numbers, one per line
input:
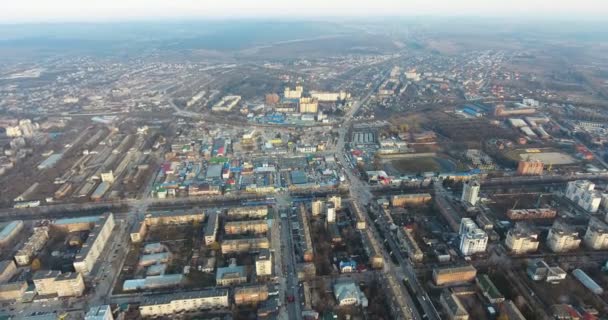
(361, 196)
(289, 280)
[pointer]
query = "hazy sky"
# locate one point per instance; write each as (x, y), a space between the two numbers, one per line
(12, 11)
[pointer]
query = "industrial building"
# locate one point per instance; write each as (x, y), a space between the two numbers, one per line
(522, 239)
(244, 245)
(172, 304)
(451, 275)
(263, 263)
(32, 246)
(596, 236)
(9, 232)
(562, 237)
(249, 212)
(488, 289)
(401, 200)
(250, 295)
(94, 245)
(248, 226)
(470, 192)
(589, 283)
(472, 238)
(452, 306)
(211, 228)
(583, 193)
(539, 270)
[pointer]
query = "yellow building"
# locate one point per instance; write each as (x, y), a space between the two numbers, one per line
(253, 226)
(244, 245)
(13, 290)
(522, 239)
(562, 238)
(250, 294)
(596, 236)
(263, 264)
(69, 284)
(309, 105)
(170, 305)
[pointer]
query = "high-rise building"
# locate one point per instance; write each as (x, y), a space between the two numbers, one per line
(472, 239)
(94, 245)
(562, 237)
(470, 192)
(309, 105)
(583, 193)
(596, 236)
(522, 239)
(336, 200)
(27, 128)
(293, 94)
(530, 168)
(317, 207)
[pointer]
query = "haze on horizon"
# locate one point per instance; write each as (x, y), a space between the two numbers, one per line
(35, 11)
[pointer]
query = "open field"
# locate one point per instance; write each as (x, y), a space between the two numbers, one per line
(548, 157)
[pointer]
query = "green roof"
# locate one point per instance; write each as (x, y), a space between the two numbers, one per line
(488, 287)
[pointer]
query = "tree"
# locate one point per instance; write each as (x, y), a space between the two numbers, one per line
(36, 264)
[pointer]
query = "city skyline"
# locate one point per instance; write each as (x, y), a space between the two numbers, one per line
(36, 11)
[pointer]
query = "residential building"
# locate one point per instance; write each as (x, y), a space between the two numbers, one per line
(251, 212)
(308, 105)
(244, 245)
(103, 312)
(401, 200)
(522, 239)
(13, 290)
(247, 226)
(175, 217)
(172, 304)
(347, 293)
(139, 234)
(211, 228)
(317, 207)
(35, 243)
(230, 275)
(69, 284)
(336, 200)
(94, 245)
(331, 213)
(293, 94)
(530, 168)
(596, 236)
(472, 238)
(583, 193)
(263, 263)
(450, 275)
(470, 192)
(250, 294)
(562, 237)
(452, 306)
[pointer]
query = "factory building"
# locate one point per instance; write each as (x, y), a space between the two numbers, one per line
(583, 193)
(69, 284)
(96, 242)
(596, 236)
(263, 264)
(472, 238)
(452, 306)
(167, 305)
(9, 232)
(210, 231)
(522, 239)
(451, 275)
(250, 226)
(244, 245)
(153, 282)
(525, 214)
(530, 168)
(470, 192)
(539, 270)
(562, 237)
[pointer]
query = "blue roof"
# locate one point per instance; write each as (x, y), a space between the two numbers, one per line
(8, 229)
(89, 219)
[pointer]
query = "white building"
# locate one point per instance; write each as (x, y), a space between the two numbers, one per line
(583, 193)
(522, 239)
(96, 242)
(263, 264)
(596, 236)
(472, 238)
(348, 293)
(470, 192)
(562, 237)
(172, 304)
(99, 313)
(331, 212)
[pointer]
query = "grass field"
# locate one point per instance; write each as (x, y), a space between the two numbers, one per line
(416, 165)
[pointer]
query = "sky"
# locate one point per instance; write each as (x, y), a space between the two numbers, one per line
(20, 11)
